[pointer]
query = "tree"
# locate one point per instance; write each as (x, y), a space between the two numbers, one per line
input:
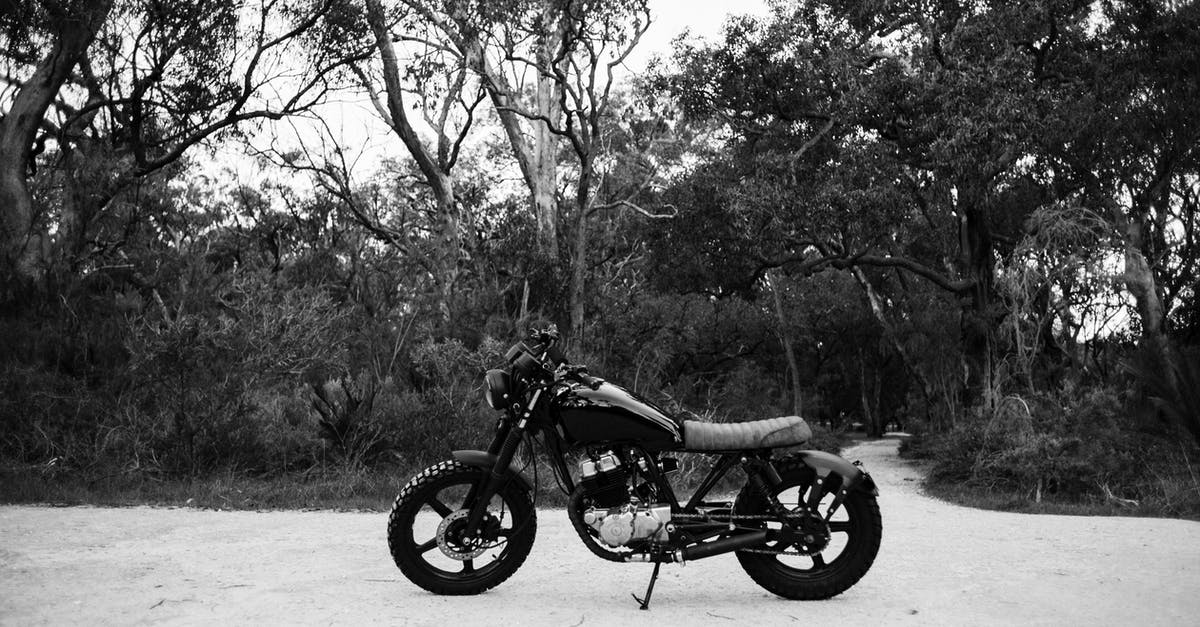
(548, 68)
(444, 96)
(151, 81)
(69, 28)
(1130, 150)
(881, 135)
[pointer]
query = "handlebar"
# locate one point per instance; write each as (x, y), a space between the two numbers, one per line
(544, 357)
(578, 373)
(548, 335)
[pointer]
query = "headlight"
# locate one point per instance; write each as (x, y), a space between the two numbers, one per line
(499, 388)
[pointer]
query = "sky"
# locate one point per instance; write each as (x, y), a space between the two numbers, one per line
(700, 17)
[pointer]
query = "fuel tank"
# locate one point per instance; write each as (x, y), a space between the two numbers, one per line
(603, 412)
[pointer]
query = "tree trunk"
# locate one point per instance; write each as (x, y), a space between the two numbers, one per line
(876, 429)
(21, 244)
(448, 244)
(545, 145)
(978, 319)
(544, 182)
(788, 351)
(579, 279)
(869, 418)
(1139, 280)
(449, 250)
(881, 317)
(579, 262)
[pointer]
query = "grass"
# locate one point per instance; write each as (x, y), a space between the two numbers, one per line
(329, 489)
(1175, 495)
(1020, 502)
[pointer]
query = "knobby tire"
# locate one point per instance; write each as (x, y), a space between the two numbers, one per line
(409, 556)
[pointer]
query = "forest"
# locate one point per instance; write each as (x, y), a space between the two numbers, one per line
(973, 222)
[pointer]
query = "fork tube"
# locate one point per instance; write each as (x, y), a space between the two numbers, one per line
(502, 430)
(492, 482)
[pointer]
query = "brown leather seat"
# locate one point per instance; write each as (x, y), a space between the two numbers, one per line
(768, 433)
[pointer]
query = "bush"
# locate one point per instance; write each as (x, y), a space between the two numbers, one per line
(1083, 449)
(198, 372)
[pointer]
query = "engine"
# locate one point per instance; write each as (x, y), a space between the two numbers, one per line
(618, 526)
(616, 517)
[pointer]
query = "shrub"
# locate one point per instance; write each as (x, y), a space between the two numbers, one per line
(197, 371)
(1082, 449)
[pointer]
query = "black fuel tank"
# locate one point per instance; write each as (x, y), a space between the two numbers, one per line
(611, 413)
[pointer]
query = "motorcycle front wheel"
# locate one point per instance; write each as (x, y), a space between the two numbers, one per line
(425, 531)
(830, 555)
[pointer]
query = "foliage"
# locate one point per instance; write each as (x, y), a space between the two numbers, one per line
(978, 218)
(196, 370)
(1083, 447)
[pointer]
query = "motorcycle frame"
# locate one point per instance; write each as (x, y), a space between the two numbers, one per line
(696, 536)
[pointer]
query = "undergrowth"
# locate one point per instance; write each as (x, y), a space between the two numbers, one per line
(1032, 454)
(333, 487)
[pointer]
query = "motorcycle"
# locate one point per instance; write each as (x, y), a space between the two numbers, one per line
(805, 525)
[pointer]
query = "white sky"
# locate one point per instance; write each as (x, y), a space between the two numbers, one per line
(701, 17)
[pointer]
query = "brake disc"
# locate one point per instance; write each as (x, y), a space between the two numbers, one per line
(450, 542)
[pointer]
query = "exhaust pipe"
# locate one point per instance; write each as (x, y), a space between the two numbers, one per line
(724, 545)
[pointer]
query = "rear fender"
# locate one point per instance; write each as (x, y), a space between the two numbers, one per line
(853, 476)
(487, 461)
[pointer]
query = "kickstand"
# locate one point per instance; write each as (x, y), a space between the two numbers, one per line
(649, 589)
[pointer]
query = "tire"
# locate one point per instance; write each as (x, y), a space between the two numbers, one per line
(419, 520)
(855, 533)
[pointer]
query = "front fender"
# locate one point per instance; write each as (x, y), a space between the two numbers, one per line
(487, 461)
(853, 476)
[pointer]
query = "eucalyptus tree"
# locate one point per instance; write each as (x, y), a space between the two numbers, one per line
(33, 83)
(127, 90)
(548, 68)
(417, 90)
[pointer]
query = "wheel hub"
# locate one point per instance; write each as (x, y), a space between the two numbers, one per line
(809, 534)
(454, 544)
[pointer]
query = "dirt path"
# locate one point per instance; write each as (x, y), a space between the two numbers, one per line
(939, 565)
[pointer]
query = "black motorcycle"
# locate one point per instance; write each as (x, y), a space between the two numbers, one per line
(804, 526)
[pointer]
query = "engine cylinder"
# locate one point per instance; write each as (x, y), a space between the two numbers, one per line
(604, 480)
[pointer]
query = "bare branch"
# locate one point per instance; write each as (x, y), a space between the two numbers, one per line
(674, 212)
(373, 94)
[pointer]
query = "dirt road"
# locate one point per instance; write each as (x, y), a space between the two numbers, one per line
(939, 565)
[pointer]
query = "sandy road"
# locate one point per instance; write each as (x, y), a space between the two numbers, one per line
(939, 565)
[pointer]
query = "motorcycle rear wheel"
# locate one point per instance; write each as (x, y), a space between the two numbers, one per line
(428, 511)
(855, 531)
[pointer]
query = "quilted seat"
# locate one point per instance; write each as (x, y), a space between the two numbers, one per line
(768, 433)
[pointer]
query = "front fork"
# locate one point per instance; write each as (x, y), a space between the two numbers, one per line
(504, 446)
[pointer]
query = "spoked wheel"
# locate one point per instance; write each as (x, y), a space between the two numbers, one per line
(425, 531)
(820, 556)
